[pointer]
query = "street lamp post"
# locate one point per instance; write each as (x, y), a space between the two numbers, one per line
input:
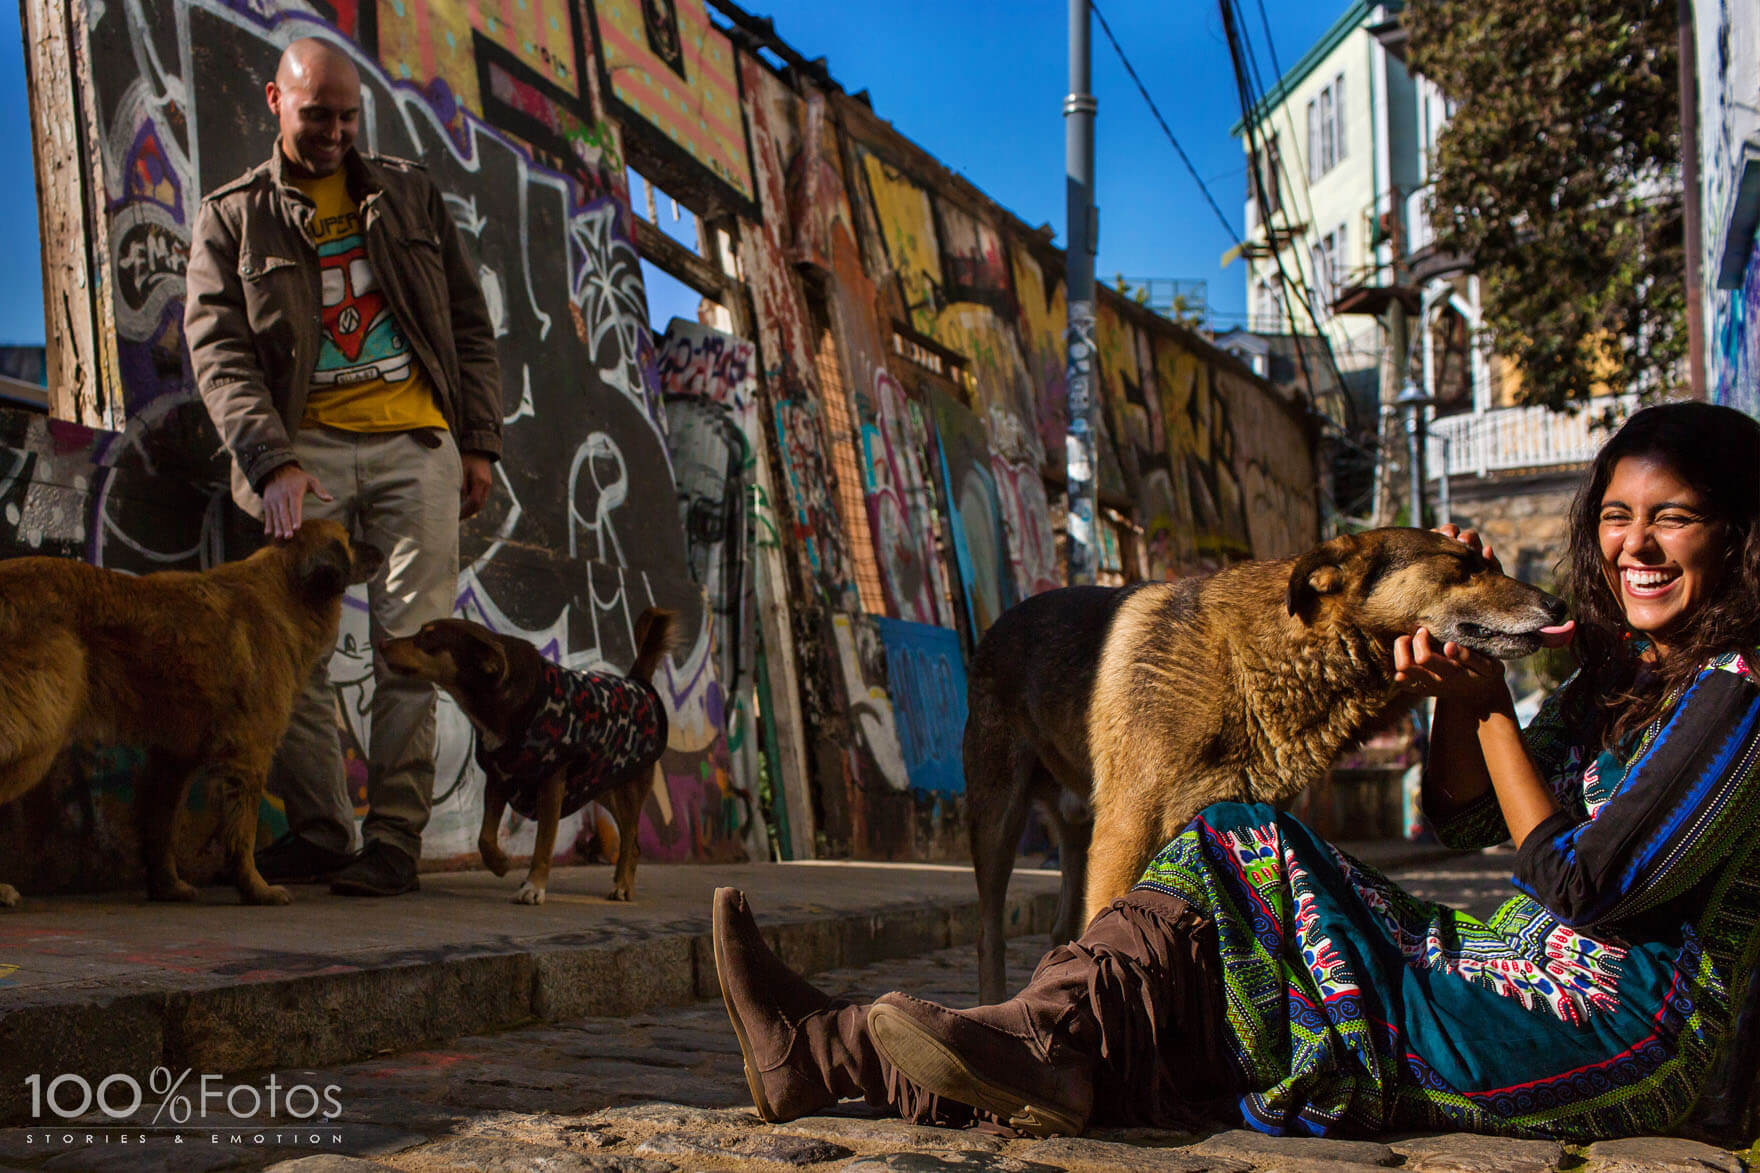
(1412, 401)
(1083, 222)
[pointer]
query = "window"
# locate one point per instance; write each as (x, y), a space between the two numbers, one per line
(1326, 119)
(1264, 308)
(1262, 168)
(1327, 259)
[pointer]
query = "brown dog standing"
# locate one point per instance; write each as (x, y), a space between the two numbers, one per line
(549, 739)
(197, 669)
(1147, 703)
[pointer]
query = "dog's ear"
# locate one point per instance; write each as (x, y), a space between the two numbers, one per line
(324, 569)
(1316, 573)
(491, 660)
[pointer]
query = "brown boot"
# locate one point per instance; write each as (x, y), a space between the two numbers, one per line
(804, 1050)
(1127, 1008)
(1029, 1060)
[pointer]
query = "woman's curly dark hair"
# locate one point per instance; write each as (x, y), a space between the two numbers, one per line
(1716, 450)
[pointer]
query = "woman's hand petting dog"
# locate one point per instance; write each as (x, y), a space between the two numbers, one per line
(1471, 540)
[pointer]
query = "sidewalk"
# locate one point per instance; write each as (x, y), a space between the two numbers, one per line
(107, 984)
(96, 985)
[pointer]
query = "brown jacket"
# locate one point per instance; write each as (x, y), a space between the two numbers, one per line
(253, 319)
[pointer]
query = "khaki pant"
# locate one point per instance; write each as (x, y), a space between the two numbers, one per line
(397, 494)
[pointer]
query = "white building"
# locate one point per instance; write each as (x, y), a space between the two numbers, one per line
(1350, 134)
(1334, 144)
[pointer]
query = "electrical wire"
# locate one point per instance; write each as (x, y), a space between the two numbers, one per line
(1244, 71)
(1165, 129)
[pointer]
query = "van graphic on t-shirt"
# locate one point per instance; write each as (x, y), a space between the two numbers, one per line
(361, 338)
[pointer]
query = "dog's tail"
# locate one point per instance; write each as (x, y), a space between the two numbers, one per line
(654, 629)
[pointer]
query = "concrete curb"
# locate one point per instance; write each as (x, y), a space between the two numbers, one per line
(322, 1019)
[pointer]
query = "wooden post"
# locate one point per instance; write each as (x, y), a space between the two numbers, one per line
(793, 773)
(55, 85)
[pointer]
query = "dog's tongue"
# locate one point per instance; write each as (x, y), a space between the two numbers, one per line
(1557, 637)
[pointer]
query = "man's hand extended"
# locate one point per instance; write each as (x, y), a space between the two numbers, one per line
(284, 499)
(479, 479)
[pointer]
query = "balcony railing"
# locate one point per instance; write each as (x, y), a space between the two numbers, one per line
(1508, 438)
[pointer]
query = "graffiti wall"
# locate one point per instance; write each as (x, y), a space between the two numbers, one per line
(1737, 338)
(583, 530)
(927, 676)
(903, 387)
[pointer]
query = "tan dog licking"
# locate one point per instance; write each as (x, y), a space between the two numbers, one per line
(199, 670)
(549, 739)
(1145, 704)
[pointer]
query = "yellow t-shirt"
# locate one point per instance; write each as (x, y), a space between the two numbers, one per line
(367, 378)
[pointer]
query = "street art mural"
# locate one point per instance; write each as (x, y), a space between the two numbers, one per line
(583, 530)
(710, 381)
(1738, 340)
(967, 304)
(666, 68)
(900, 503)
(1130, 400)
(1277, 486)
(628, 473)
(975, 512)
(926, 678)
(1200, 446)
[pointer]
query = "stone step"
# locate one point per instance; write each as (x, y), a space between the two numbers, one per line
(97, 986)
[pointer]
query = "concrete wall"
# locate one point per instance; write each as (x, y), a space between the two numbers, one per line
(839, 503)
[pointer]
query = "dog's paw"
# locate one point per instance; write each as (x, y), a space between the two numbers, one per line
(271, 894)
(494, 858)
(177, 892)
(619, 893)
(527, 894)
(9, 897)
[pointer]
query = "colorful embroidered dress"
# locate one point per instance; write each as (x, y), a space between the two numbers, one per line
(1591, 1004)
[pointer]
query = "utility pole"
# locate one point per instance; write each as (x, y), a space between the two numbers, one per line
(1083, 222)
(1689, 95)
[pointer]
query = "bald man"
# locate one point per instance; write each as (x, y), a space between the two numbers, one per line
(344, 351)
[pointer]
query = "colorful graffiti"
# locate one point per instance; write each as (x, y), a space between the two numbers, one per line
(900, 503)
(1132, 403)
(1200, 446)
(861, 658)
(423, 42)
(1282, 516)
(1738, 340)
(975, 512)
(665, 66)
(582, 532)
(926, 677)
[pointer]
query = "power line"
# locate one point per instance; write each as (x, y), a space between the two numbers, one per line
(1244, 70)
(1156, 110)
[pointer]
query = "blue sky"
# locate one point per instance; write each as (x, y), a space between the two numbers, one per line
(980, 85)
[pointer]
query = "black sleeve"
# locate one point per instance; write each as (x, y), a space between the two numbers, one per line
(1684, 800)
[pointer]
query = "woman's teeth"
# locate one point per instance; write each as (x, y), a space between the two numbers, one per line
(1648, 581)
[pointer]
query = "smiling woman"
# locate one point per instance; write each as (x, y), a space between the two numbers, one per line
(1665, 554)
(1256, 972)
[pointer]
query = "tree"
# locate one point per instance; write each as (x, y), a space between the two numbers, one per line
(1559, 176)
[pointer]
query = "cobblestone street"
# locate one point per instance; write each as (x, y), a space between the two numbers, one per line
(664, 1091)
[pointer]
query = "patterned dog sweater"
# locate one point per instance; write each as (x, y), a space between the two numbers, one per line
(599, 724)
